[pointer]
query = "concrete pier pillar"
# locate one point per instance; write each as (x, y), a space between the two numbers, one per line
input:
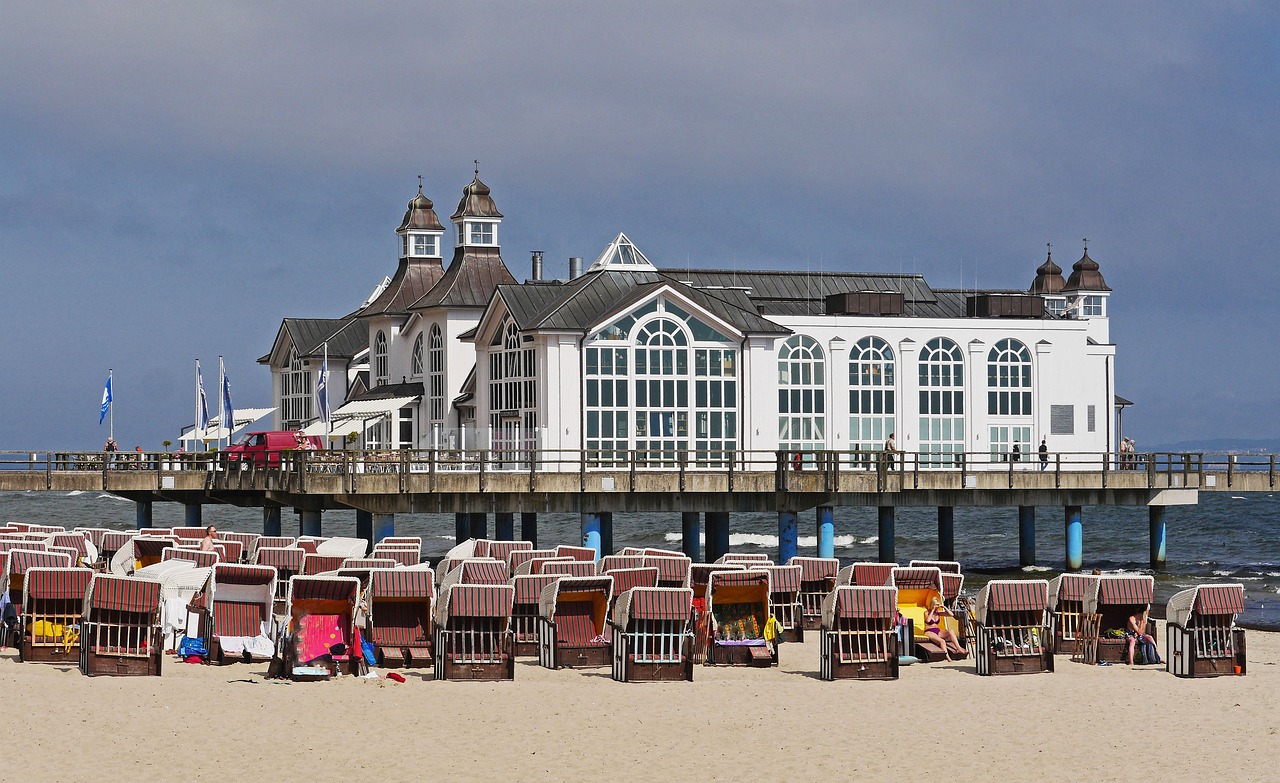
(1155, 516)
(479, 525)
(461, 527)
(946, 532)
(591, 523)
(364, 525)
(717, 523)
(885, 517)
(271, 521)
(193, 515)
(690, 535)
(1075, 539)
(1026, 535)
(384, 526)
(788, 536)
(826, 531)
(529, 527)
(309, 523)
(142, 511)
(606, 533)
(504, 526)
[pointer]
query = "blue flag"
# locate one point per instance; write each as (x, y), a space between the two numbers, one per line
(322, 388)
(106, 401)
(204, 402)
(228, 413)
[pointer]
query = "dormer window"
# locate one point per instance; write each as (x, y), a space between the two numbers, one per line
(478, 233)
(424, 245)
(1092, 306)
(1055, 305)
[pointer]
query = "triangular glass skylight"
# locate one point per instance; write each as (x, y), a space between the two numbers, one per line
(621, 254)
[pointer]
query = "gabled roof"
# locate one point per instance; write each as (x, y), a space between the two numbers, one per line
(346, 337)
(414, 277)
(470, 280)
(621, 253)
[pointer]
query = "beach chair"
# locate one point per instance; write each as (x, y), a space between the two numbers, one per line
(499, 550)
(478, 571)
(1013, 629)
(473, 632)
(413, 541)
(518, 557)
(737, 610)
(1201, 637)
(1066, 602)
(287, 561)
(524, 610)
(201, 559)
(120, 627)
(138, 552)
(319, 641)
(316, 564)
(673, 569)
(859, 634)
(16, 564)
(239, 622)
(748, 559)
(817, 578)
(273, 542)
(85, 552)
(309, 545)
(402, 554)
(1114, 598)
(401, 602)
(187, 535)
(248, 545)
(535, 565)
(342, 547)
(916, 588)
(699, 579)
(652, 639)
(867, 575)
(569, 568)
(229, 551)
(625, 579)
(112, 541)
(784, 597)
(572, 616)
(180, 581)
(367, 563)
(584, 553)
(52, 602)
(615, 562)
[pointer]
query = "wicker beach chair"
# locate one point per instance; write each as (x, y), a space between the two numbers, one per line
(239, 603)
(524, 610)
(248, 544)
(817, 577)
(120, 627)
(401, 602)
(625, 579)
(275, 542)
(866, 575)
(180, 581)
(859, 635)
(473, 632)
(1114, 598)
(316, 564)
(500, 549)
(1013, 628)
(342, 547)
(18, 561)
(533, 566)
(652, 637)
(402, 554)
(572, 622)
(569, 568)
(517, 557)
(699, 579)
(201, 559)
(112, 541)
(320, 633)
(916, 588)
(784, 597)
(478, 571)
(1066, 602)
(52, 602)
(287, 561)
(615, 562)
(673, 569)
(749, 559)
(738, 609)
(139, 552)
(1201, 637)
(187, 535)
(584, 553)
(86, 552)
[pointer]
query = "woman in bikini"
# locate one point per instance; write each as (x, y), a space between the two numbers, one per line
(935, 632)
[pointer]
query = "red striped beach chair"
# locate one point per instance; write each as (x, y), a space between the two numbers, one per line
(473, 632)
(79, 543)
(499, 549)
(584, 553)
(699, 579)
(632, 550)
(652, 640)
(201, 559)
(320, 635)
(180, 582)
(229, 551)
(413, 541)
(478, 571)
(187, 534)
(1201, 636)
(362, 568)
(120, 627)
(536, 565)
(625, 579)
(69, 551)
(867, 575)
(569, 568)
(1066, 603)
(748, 559)
(517, 557)
(52, 602)
(19, 561)
(309, 545)
(859, 634)
(1114, 598)
(400, 554)
(316, 564)
(614, 562)
(673, 569)
(401, 602)
(275, 542)
(572, 615)
(287, 561)
(916, 588)
(784, 597)
(1013, 630)
(738, 610)
(239, 605)
(248, 544)
(524, 610)
(817, 578)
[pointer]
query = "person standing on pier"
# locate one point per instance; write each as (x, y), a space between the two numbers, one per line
(890, 446)
(1044, 454)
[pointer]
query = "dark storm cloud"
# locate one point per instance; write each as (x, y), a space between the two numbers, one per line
(176, 179)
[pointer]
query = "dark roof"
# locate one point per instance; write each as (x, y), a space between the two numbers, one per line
(1121, 402)
(476, 201)
(346, 336)
(1085, 276)
(420, 216)
(414, 277)
(1048, 278)
(388, 390)
(469, 281)
(793, 285)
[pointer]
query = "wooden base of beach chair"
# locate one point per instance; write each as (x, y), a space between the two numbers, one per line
(1183, 661)
(94, 663)
(588, 657)
(627, 669)
(864, 670)
(31, 653)
(1113, 651)
(812, 622)
(478, 672)
(928, 652)
(734, 655)
(793, 635)
(526, 649)
(403, 657)
(1063, 646)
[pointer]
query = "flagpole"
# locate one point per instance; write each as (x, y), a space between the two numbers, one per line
(222, 417)
(111, 411)
(195, 423)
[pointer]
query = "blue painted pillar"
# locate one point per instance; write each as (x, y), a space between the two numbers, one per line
(690, 534)
(1026, 535)
(364, 525)
(384, 526)
(886, 534)
(591, 523)
(271, 521)
(1075, 539)
(504, 526)
(529, 527)
(606, 532)
(717, 535)
(461, 527)
(788, 536)
(309, 523)
(193, 515)
(826, 531)
(479, 525)
(1155, 515)
(142, 510)
(946, 532)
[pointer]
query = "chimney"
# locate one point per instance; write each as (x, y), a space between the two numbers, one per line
(536, 261)
(575, 267)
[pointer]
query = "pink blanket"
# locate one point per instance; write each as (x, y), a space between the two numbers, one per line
(317, 633)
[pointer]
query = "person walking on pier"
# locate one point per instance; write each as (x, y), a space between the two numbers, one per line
(1044, 454)
(890, 446)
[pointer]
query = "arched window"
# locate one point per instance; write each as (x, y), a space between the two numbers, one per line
(380, 359)
(661, 361)
(435, 381)
(941, 401)
(802, 403)
(295, 394)
(415, 364)
(1009, 398)
(513, 402)
(871, 394)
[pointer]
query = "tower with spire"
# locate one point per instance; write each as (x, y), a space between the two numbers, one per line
(1086, 290)
(1049, 284)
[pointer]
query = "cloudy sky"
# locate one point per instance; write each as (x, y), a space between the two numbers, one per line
(175, 178)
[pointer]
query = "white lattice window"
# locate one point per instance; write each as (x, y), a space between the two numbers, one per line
(872, 400)
(380, 358)
(295, 394)
(941, 402)
(415, 363)
(802, 402)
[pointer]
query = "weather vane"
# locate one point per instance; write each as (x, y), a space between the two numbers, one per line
(477, 169)
(1086, 245)
(419, 184)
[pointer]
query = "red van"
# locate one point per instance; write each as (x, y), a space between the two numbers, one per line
(263, 448)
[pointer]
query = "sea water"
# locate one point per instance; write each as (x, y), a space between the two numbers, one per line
(1226, 538)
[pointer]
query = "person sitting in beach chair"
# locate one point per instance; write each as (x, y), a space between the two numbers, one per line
(1137, 637)
(937, 633)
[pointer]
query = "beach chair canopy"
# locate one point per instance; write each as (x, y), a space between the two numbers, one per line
(276, 541)
(201, 559)
(413, 541)
(700, 573)
(342, 547)
(281, 558)
(468, 600)
(569, 568)
(952, 584)
(866, 574)
(248, 541)
(187, 533)
(1012, 595)
(479, 571)
(758, 558)
(738, 587)
(462, 551)
(20, 560)
(917, 578)
(369, 562)
(535, 565)
(1120, 590)
(816, 569)
(402, 555)
(345, 589)
(784, 579)
(77, 541)
(1205, 600)
(859, 603)
(584, 553)
(70, 552)
(625, 579)
(42, 583)
(1069, 587)
(529, 587)
(518, 556)
(614, 562)
(945, 566)
(111, 592)
(673, 570)
(319, 564)
(500, 549)
(577, 587)
(653, 603)
(112, 540)
(402, 583)
(654, 551)
(230, 551)
(22, 543)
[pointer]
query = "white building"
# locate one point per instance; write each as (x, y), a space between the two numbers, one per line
(691, 364)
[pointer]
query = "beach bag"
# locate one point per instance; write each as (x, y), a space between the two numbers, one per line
(370, 653)
(1147, 653)
(192, 646)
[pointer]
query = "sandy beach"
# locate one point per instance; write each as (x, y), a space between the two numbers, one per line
(228, 723)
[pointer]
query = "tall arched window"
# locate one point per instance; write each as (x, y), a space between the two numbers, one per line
(871, 394)
(513, 402)
(295, 394)
(435, 383)
(415, 363)
(1009, 398)
(802, 403)
(941, 401)
(661, 375)
(380, 359)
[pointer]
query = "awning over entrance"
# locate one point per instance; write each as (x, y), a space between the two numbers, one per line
(357, 410)
(241, 418)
